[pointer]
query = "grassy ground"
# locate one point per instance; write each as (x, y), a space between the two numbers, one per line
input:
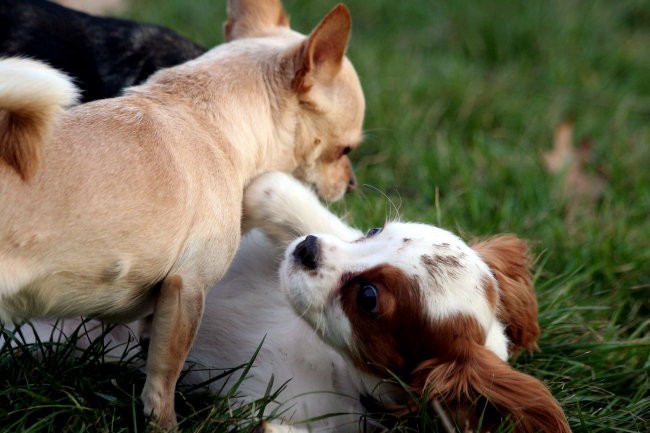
(463, 100)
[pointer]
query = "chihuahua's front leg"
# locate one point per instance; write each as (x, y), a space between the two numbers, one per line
(285, 209)
(176, 318)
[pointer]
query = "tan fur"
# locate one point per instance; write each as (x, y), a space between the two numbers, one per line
(175, 321)
(507, 257)
(250, 18)
(320, 59)
(132, 190)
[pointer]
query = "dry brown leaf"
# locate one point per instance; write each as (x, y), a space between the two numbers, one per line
(579, 188)
(562, 154)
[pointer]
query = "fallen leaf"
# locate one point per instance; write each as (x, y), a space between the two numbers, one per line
(580, 189)
(562, 154)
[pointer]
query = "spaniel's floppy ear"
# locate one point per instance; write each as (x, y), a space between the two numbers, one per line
(250, 18)
(507, 257)
(481, 390)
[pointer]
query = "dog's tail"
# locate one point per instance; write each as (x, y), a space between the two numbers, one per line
(32, 95)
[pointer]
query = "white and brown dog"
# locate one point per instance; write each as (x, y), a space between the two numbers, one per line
(346, 312)
(126, 206)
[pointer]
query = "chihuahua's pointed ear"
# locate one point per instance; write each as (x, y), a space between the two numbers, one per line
(320, 56)
(251, 18)
(507, 257)
(481, 391)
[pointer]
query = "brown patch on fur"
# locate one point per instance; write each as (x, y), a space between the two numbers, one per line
(491, 292)
(446, 361)
(478, 389)
(402, 335)
(431, 266)
(440, 267)
(507, 257)
(250, 18)
(392, 339)
(21, 136)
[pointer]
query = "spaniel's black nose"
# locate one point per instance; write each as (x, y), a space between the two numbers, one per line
(307, 252)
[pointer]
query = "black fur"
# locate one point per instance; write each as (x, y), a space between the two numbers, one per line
(103, 55)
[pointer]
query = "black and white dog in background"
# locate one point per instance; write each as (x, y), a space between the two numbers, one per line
(102, 55)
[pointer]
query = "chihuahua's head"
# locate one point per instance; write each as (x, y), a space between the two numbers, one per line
(416, 301)
(316, 87)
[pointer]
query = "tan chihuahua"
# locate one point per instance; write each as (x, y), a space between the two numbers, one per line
(122, 207)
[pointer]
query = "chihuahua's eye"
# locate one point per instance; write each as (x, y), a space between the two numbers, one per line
(345, 151)
(368, 299)
(374, 231)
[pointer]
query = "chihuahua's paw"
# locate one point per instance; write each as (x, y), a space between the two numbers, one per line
(277, 203)
(285, 209)
(272, 427)
(269, 191)
(158, 405)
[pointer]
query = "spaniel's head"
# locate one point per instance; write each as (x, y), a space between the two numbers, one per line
(416, 301)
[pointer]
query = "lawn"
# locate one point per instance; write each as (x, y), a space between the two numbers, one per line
(482, 117)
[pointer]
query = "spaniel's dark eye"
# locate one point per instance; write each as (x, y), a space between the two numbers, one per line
(368, 299)
(374, 231)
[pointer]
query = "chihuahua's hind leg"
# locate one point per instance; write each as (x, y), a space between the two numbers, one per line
(176, 318)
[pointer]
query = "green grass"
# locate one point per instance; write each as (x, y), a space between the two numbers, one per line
(463, 99)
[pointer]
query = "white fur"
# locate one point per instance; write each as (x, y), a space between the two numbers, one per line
(288, 209)
(33, 85)
(497, 341)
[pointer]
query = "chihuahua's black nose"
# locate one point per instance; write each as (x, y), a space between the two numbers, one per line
(352, 184)
(307, 252)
